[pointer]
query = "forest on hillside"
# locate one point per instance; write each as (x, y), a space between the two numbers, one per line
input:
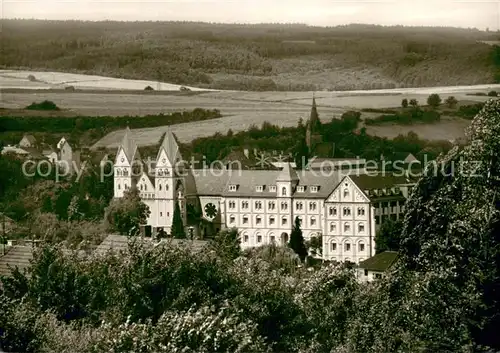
(254, 57)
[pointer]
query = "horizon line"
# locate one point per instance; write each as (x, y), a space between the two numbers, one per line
(251, 23)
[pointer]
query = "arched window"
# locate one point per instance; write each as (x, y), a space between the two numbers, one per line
(140, 187)
(283, 191)
(159, 187)
(361, 228)
(347, 227)
(333, 228)
(119, 187)
(346, 192)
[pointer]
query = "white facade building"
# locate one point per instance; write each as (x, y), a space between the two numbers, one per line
(261, 204)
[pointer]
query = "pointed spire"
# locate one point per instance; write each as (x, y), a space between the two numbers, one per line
(287, 174)
(314, 118)
(170, 146)
(128, 145)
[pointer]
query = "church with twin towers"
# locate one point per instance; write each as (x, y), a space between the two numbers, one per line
(261, 204)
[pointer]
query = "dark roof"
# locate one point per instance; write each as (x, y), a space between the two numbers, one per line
(379, 181)
(33, 152)
(380, 262)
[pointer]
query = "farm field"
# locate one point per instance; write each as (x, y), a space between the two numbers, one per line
(61, 80)
(241, 109)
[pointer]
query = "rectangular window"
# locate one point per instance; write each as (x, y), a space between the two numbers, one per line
(271, 220)
(258, 220)
(366, 272)
(259, 239)
(361, 247)
(284, 221)
(347, 247)
(245, 220)
(333, 246)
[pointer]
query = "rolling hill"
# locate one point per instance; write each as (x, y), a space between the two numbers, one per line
(263, 57)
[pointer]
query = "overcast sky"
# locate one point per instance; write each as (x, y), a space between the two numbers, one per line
(457, 13)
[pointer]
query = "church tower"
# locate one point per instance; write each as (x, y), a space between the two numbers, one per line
(313, 127)
(126, 158)
(168, 181)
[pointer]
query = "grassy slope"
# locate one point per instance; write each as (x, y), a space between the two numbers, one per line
(253, 57)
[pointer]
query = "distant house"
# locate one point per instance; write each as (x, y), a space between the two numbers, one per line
(6, 222)
(375, 267)
(27, 141)
(24, 152)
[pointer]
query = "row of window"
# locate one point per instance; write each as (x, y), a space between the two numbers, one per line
(347, 227)
(120, 172)
(347, 247)
(246, 238)
(298, 206)
(125, 186)
(284, 222)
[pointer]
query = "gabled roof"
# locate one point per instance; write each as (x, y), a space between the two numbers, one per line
(380, 262)
(287, 174)
(171, 147)
(30, 138)
(128, 145)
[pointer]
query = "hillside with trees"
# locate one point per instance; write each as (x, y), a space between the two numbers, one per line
(255, 57)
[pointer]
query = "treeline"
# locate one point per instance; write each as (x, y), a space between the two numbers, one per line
(348, 139)
(217, 56)
(88, 129)
(407, 117)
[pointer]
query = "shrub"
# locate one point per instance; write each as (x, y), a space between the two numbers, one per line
(492, 94)
(45, 105)
(451, 102)
(404, 103)
(434, 100)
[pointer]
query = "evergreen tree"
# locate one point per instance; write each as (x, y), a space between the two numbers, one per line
(177, 230)
(297, 241)
(301, 154)
(315, 123)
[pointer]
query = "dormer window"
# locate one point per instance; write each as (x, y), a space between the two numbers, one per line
(301, 188)
(283, 191)
(314, 188)
(272, 188)
(259, 188)
(232, 187)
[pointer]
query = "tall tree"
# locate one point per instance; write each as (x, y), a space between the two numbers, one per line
(177, 230)
(297, 240)
(301, 154)
(127, 213)
(388, 236)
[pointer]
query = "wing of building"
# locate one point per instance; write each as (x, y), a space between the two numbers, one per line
(262, 204)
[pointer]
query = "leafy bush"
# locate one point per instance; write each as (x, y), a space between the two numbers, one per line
(45, 105)
(434, 100)
(492, 94)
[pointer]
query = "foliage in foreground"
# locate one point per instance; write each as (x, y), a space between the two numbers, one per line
(440, 297)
